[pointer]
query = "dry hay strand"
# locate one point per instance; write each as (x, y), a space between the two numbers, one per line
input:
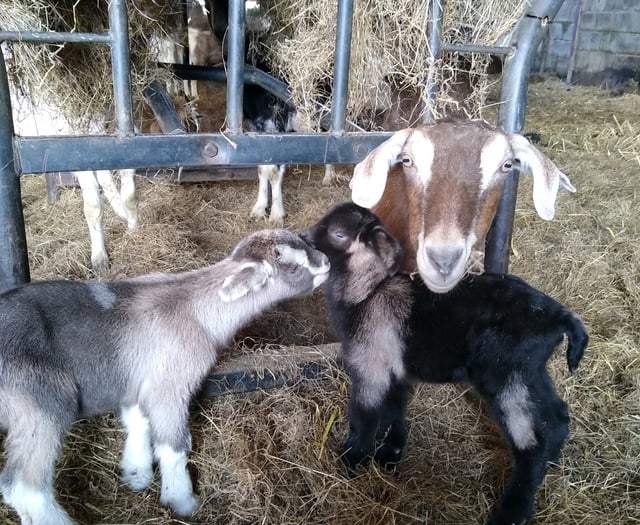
(389, 54)
(76, 77)
(272, 457)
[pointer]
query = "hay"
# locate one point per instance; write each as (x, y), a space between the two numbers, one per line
(76, 78)
(389, 53)
(271, 457)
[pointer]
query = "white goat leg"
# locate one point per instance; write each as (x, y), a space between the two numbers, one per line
(276, 174)
(176, 491)
(329, 175)
(123, 202)
(137, 456)
(92, 202)
(35, 506)
(128, 196)
(111, 193)
(259, 210)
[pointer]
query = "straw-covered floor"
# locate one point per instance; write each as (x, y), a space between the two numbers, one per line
(271, 457)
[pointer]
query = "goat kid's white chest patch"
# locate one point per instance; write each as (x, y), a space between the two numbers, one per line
(493, 154)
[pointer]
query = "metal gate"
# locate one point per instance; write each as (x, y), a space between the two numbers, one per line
(125, 149)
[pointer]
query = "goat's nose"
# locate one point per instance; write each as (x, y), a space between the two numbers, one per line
(444, 258)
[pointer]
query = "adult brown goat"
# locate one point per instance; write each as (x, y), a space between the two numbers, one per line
(437, 189)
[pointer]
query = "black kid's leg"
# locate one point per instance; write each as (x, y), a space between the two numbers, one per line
(392, 432)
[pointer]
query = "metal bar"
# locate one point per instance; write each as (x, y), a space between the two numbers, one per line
(252, 75)
(243, 381)
(476, 48)
(118, 29)
(574, 42)
(53, 37)
(162, 107)
(235, 84)
(435, 48)
(14, 260)
(341, 67)
(75, 153)
(528, 35)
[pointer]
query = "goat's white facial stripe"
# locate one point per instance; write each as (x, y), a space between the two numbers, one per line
(289, 255)
(421, 149)
(492, 156)
(515, 403)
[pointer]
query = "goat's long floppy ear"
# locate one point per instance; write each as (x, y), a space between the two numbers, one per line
(547, 178)
(370, 174)
(248, 277)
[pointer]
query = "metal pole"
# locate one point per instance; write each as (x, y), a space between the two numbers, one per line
(341, 68)
(162, 107)
(54, 37)
(574, 42)
(119, 31)
(14, 258)
(235, 77)
(527, 37)
(435, 47)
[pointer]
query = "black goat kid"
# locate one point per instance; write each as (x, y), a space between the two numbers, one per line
(493, 331)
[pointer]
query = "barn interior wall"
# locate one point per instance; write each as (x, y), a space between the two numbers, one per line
(600, 46)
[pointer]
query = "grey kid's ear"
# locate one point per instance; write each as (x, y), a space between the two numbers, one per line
(248, 277)
(547, 178)
(370, 174)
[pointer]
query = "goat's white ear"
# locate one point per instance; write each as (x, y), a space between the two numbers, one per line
(370, 174)
(547, 178)
(248, 277)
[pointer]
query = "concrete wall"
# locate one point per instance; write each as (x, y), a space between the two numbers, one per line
(607, 45)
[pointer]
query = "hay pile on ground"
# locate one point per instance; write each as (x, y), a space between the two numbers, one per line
(271, 457)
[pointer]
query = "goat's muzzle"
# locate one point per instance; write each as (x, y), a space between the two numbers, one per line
(441, 265)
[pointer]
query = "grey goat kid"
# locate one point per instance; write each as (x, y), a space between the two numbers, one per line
(493, 331)
(141, 345)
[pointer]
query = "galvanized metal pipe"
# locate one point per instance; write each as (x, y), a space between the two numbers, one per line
(235, 76)
(476, 48)
(342, 58)
(53, 37)
(162, 107)
(435, 47)
(527, 36)
(120, 64)
(14, 260)
(75, 153)
(252, 75)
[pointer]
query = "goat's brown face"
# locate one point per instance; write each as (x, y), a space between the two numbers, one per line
(437, 189)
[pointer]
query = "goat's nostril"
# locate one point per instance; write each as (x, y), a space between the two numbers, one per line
(444, 258)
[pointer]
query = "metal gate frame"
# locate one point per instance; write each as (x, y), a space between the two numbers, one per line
(125, 149)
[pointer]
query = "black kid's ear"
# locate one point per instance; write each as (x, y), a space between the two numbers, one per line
(389, 250)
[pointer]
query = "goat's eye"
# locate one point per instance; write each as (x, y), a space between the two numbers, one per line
(406, 160)
(507, 167)
(277, 254)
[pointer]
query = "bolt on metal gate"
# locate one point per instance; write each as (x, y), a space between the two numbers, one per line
(126, 149)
